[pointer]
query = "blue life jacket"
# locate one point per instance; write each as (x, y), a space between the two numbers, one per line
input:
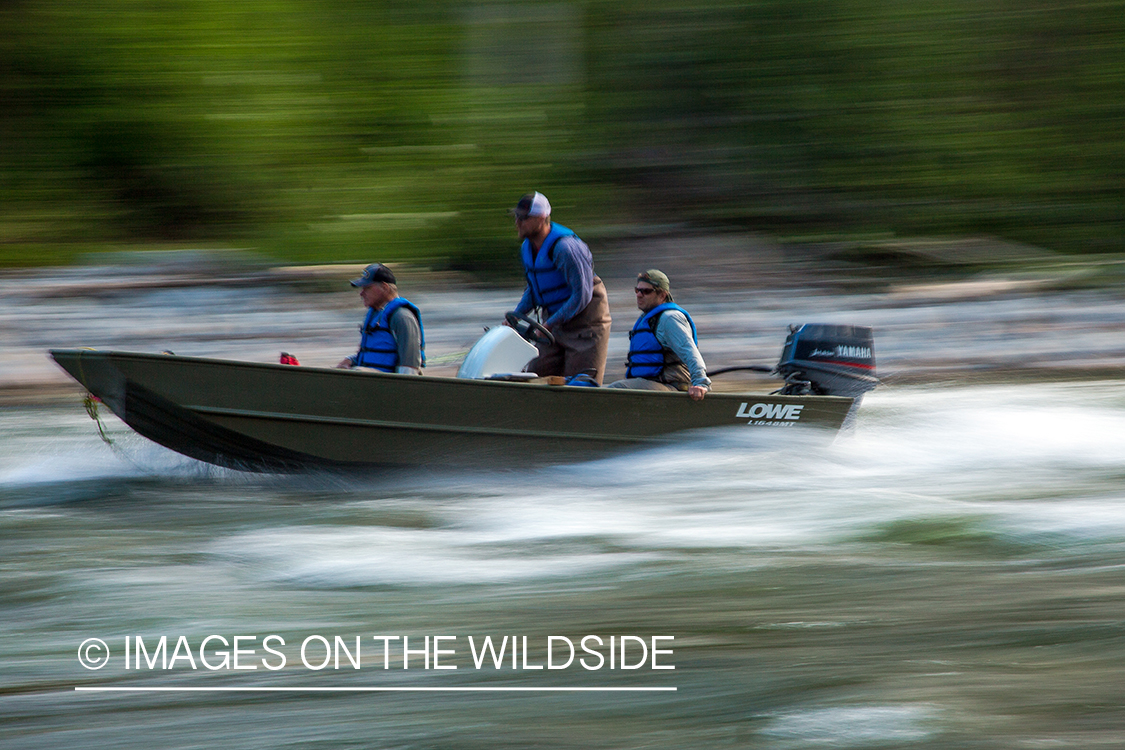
(647, 358)
(548, 284)
(377, 347)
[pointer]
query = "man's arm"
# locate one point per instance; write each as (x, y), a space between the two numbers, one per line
(572, 257)
(349, 362)
(408, 339)
(527, 304)
(674, 332)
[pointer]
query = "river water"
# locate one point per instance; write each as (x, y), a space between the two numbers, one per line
(950, 575)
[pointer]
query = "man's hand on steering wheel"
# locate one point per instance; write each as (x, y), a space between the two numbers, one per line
(530, 330)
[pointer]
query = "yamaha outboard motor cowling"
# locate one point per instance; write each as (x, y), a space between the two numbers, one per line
(833, 360)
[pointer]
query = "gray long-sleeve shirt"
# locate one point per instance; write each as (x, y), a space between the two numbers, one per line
(408, 340)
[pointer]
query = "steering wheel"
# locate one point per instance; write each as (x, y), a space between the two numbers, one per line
(531, 331)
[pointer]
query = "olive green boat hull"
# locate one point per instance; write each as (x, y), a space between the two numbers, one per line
(281, 418)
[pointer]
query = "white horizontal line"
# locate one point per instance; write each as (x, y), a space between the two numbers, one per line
(298, 689)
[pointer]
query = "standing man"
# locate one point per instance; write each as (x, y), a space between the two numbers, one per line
(562, 284)
(663, 346)
(391, 336)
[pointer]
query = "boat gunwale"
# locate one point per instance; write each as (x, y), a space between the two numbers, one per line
(435, 379)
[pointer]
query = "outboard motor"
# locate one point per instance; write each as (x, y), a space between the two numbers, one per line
(831, 360)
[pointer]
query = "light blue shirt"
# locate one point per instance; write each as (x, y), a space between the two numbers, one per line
(674, 332)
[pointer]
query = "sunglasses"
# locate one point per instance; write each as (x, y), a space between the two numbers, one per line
(642, 291)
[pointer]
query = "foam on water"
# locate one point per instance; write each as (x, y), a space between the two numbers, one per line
(851, 726)
(48, 451)
(379, 556)
(1018, 462)
(950, 566)
(1021, 466)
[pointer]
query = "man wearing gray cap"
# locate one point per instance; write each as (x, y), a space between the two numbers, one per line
(562, 285)
(391, 338)
(663, 345)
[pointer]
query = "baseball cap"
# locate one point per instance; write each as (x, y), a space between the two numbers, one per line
(532, 204)
(374, 273)
(658, 279)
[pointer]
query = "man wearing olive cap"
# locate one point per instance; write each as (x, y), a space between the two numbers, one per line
(561, 283)
(663, 345)
(391, 338)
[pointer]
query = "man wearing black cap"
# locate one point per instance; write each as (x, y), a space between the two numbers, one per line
(663, 345)
(562, 285)
(391, 337)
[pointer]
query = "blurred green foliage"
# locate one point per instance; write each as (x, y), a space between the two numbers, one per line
(339, 130)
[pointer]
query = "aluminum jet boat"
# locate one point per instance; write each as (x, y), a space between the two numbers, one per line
(283, 418)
